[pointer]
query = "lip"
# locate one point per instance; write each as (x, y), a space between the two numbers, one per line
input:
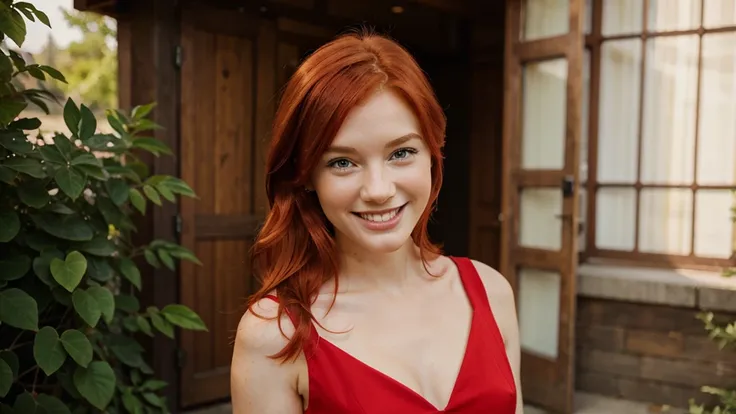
(384, 225)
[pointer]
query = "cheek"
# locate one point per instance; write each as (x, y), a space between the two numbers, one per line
(335, 193)
(417, 179)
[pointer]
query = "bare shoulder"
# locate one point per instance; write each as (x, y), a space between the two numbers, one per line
(259, 383)
(258, 330)
(500, 296)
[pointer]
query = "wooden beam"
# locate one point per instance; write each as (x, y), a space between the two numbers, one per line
(147, 37)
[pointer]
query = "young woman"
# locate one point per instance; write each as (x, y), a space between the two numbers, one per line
(359, 312)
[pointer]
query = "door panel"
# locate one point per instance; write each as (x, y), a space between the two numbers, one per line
(218, 156)
(542, 129)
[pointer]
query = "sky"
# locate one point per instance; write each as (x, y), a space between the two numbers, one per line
(38, 33)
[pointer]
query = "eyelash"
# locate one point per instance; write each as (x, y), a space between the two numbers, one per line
(410, 151)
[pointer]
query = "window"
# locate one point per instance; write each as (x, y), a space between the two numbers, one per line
(659, 147)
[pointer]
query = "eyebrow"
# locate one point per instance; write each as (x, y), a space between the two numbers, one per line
(396, 142)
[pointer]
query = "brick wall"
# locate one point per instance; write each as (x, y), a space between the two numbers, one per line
(651, 353)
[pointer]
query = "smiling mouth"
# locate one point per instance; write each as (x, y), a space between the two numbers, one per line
(382, 216)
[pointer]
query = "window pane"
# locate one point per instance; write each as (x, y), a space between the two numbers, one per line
(670, 15)
(719, 13)
(543, 118)
(713, 224)
(668, 135)
(615, 215)
(622, 16)
(545, 18)
(618, 111)
(717, 129)
(665, 220)
(539, 309)
(539, 225)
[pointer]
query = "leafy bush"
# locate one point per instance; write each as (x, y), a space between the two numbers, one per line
(725, 336)
(70, 318)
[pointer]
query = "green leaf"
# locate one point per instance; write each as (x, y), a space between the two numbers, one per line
(7, 175)
(99, 269)
(183, 253)
(127, 303)
(12, 24)
(69, 272)
(40, 241)
(88, 125)
(34, 194)
(47, 350)
(153, 385)
(151, 258)
(86, 159)
(12, 360)
(53, 73)
(182, 316)
(9, 225)
(37, 73)
(15, 141)
(18, 309)
(26, 404)
(26, 12)
(50, 153)
(98, 246)
(152, 194)
(72, 116)
(136, 198)
(25, 123)
(42, 266)
(70, 181)
(86, 307)
(97, 173)
(162, 325)
(152, 145)
(179, 186)
(154, 399)
(14, 267)
(6, 378)
(141, 111)
(166, 259)
(42, 17)
(126, 349)
(131, 403)
(64, 145)
(30, 166)
(144, 325)
(78, 347)
(118, 191)
(96, 383)
(130, 271)
(51, 404)
(116, 124)
(62, 296)
(18, 60)
(10, 109)
(65, 226)
(105, 300)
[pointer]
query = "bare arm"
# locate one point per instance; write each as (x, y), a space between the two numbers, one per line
(502, 300)
(259, 384)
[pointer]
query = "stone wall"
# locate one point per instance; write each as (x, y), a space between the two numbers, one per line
(648, 352)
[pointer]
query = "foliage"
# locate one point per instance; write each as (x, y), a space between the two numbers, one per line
(70, 317)
(90, 64)
(725, 336)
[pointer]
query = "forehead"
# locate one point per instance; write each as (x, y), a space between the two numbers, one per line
(380, 119)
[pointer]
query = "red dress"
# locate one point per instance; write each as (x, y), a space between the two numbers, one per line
(341, 384)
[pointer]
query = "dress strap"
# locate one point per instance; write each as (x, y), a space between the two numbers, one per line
(471, 281)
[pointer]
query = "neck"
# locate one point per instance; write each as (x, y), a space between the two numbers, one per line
(391, 273)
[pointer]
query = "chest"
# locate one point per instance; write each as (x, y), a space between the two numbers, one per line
(419, 344)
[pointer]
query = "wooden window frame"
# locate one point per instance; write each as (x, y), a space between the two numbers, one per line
(593, 43)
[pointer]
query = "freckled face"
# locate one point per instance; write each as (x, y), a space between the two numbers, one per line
(374, 181)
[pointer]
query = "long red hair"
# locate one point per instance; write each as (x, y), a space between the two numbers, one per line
(294, 252)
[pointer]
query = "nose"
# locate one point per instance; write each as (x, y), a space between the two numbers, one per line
(378, 186)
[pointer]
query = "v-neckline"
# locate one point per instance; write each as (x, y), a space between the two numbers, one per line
(401, 385)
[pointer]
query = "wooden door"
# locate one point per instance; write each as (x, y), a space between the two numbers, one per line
(228, 83)
(542, 130)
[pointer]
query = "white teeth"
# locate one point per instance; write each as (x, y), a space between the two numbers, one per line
(380, 217)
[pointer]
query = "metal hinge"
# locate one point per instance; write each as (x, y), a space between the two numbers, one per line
(181, 357)
(177, 225)
(178, 59)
